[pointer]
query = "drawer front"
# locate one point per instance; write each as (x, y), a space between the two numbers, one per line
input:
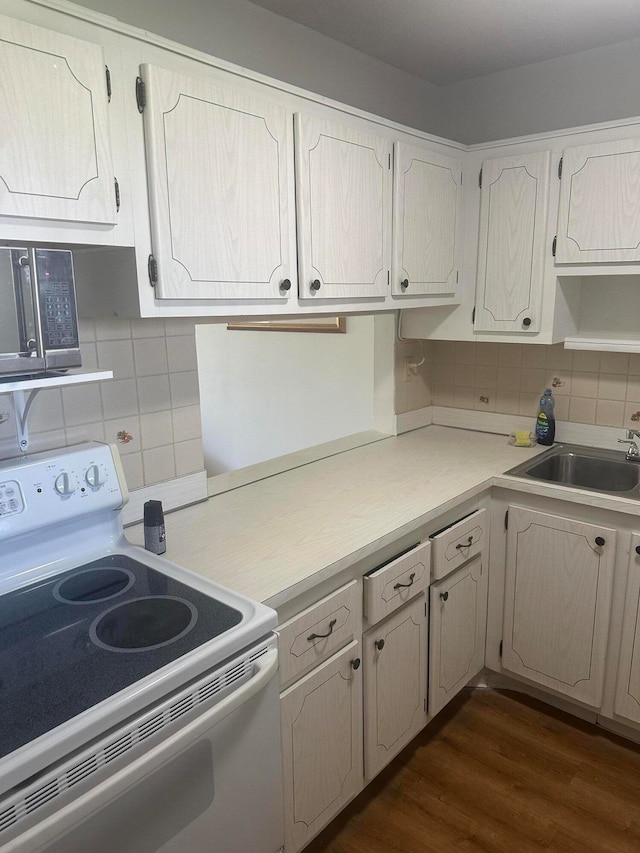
(315, 634)
(390, 586)
(459, 543)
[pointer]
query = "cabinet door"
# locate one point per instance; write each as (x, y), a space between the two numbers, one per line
(511, 248)
(557, 602)
(395, 692)
(221, 190)
(426, 222)
(321, 745)
(56, 155)
(457, 629)
(344, 210)
(627, 699)
(599, 213)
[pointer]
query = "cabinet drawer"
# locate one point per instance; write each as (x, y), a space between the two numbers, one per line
(390, 586)
(313, 635)
(456, 544)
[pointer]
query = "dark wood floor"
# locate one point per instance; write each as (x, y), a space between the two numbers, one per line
(498, 772)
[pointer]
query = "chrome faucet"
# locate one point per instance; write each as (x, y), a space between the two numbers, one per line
(633, 451)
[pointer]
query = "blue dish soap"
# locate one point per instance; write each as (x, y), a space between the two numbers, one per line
(545, 421)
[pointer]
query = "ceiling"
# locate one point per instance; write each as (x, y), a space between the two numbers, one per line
(445, 41)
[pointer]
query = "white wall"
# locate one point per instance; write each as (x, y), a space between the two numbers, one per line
(265, 394)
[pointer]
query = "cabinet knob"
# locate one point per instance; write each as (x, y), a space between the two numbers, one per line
(315, 284)
(638, 550)
(599, 541)
(355, 663)
(404, 284)
(379, 644)
(444, 595)
(286, 284)
(526, 322)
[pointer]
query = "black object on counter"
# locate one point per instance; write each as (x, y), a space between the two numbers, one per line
(154, 535)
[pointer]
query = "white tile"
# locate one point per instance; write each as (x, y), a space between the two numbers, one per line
(87, 432)
(181, 353)
(509, 355)
(179, 326)
(534, 356)
(149, 327)
(189, 457)
(632, 414)
(485, 399)
(46, 411)
(582, 410)
(586, 361)
(81, 404)
(116, 356)
(159, 465)
(614, 362)
(156, 428)
(155, 394)
(51, 440)
(584, 385)
(612, 386)
(487, 354)
(508, 378)
(634, 363)
(633, 388)
(507, 402)
(559, 382)
(528, 404)
(112, 329)
(559, 358)
(119, 398)
(465, 352)
(562, 408)
(609, 413)
(444, 352)
(150, 356)
(486, 376)
(464, 398)
(442, 396)
(89, 356)
(133, 472)
(464, 374)
(444, 373)
(532, 380)
(86, 330)
(187, 423)
(125, 433)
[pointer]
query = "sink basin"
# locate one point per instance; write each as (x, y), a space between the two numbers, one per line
(584, 468)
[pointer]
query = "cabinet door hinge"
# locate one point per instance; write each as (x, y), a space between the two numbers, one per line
(560, 168)
(480, 179)
(152, 267)
(473, 315)
(107, 74)
(141, 94)
(500, 649)
(117, 190)
(506, 520)
(554, 245)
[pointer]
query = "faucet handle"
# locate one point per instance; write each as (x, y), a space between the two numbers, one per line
(633, 433)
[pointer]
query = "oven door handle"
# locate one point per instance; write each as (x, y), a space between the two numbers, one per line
(103, 792)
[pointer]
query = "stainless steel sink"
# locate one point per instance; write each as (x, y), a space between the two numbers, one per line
(584, 468)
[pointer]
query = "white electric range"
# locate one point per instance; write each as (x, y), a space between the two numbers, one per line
(139, 702)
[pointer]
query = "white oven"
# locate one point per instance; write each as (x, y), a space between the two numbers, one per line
(139, 702)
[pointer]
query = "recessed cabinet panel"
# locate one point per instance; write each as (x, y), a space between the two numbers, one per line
(427, 217)
(511, 250)
(627, 699)
(221, 190)
(599, 213)
(56, 155)
(557, 602)
(457, 627)
(395, 660)
(344, 210)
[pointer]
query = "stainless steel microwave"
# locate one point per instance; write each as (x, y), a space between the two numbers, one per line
(38, 316)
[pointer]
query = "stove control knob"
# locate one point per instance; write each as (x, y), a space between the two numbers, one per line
(94, 477)
(64, 484)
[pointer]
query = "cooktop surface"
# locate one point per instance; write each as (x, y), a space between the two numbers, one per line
(74, 639)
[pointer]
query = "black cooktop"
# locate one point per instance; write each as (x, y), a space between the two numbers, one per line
(79, 637)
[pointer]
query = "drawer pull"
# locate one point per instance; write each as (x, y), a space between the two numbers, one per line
(379, 644)
(399, 585)
(444, 595)
(466, 544)
(313, 637)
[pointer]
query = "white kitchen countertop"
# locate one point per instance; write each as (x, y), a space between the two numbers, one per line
(277, 538)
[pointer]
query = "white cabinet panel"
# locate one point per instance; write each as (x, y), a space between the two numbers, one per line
(395, 662)
(427, 220)
(221, 190)
(511, 249)
(599, 214)
(457, 628)
(56, 156)
(557, 602)
(344, 210)
(627, 698)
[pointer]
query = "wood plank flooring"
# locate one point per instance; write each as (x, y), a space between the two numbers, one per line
(502, 773)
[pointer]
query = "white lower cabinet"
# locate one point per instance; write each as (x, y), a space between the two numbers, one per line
(559, 575)
(457, 628)
(627, 696)
(321, 745)
(395, 684)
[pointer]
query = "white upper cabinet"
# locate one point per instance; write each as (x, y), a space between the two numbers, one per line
(220, 189)
(426, 222)
(511, 249)
(344, 210)
(599, 213)
(56, 157)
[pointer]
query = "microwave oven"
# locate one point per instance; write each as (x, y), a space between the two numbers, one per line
(38, 318)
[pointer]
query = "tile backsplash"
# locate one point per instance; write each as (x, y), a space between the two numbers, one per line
(601, 388)
(150, 409)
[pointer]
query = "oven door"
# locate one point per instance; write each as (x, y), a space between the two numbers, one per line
(213, 784)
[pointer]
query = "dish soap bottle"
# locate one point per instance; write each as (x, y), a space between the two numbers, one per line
(545, 421)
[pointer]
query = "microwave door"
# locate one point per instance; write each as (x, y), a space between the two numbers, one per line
(20, 347)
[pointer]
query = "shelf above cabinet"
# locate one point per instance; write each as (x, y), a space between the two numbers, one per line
(606, 343)
(50, 380)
